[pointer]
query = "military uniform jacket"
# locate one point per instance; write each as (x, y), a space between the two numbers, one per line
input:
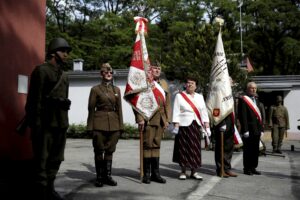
(105, 108)
(163, 114)
(279, 116)
(249, 121)
(39, 110)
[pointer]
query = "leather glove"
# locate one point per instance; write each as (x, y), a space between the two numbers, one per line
(223, 128)
(175, 130)
(246, 135)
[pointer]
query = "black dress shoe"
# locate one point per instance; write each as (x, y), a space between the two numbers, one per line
(248, 172)
(254, 171)
(279, 151)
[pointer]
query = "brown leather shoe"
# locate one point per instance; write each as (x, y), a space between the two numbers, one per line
(224, 175)
(231, 174)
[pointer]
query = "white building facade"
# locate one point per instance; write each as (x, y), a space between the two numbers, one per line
(268, 88)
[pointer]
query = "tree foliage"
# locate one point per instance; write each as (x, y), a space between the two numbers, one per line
(182, 34)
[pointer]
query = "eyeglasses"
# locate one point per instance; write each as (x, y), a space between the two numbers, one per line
(108, 72)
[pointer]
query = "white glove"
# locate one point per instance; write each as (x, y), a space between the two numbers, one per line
(223, 128)
(208, 132)
(262, 134)
(246, 135)
(175, 130)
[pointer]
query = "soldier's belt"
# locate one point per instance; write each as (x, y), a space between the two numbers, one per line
(106, 109)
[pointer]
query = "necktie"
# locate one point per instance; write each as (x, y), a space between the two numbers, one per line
(253, 99)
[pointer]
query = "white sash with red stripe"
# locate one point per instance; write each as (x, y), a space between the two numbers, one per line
(253, 107)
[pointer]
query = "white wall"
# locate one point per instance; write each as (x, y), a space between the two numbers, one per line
(292, 102)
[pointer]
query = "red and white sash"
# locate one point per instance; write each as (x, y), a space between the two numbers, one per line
(159, 93)
(253, 107)
(193, 107)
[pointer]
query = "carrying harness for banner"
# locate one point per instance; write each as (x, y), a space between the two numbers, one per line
(207, 141)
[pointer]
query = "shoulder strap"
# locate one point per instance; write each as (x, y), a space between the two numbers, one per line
(57, 84)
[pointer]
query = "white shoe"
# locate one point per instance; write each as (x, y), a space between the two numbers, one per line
(182, 176)
(196, 176)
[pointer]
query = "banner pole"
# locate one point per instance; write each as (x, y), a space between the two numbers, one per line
(222, 154)
(141, 156)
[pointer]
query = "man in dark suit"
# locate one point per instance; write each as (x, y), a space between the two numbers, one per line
(225, 127)
(105, 122)
(47, 114)
(251, 121)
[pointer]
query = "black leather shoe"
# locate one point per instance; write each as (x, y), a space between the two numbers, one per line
(279, 151)
(254, 171)
(248, 172)
(158, 179)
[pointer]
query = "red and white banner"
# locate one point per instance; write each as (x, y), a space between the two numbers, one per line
(139, 93)
(219, 102)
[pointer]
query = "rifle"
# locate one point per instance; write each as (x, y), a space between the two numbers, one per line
(22, 126)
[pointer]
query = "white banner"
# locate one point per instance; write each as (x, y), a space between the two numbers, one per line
(219, 102)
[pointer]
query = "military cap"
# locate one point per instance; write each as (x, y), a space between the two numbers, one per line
(279, 98)
(106, 68)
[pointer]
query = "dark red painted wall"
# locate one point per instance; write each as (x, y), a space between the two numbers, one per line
(22, 46)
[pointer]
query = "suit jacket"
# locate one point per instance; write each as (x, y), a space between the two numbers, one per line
(40, 110)
(183, 112)
(248, 119)
(105, 108)
(163, 114)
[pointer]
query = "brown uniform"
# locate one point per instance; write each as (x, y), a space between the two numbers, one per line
(154, 128)
(105, 120)
(279, 122)
(105, 117)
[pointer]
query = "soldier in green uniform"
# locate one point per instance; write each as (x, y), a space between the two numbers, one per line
(279, 122)
(105, 122)
(47, 115)
(153, 130)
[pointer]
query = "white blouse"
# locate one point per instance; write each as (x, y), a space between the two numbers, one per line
(184, 114)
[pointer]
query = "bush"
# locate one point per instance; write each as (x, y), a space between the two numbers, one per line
(130, 132)
(77, 131)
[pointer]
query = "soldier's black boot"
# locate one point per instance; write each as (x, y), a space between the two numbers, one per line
(155, 176)
(147, 170)
(107, 179)
(51, 193)
(99, 171)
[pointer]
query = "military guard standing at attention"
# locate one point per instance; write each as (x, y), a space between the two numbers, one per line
(279, 123)
(47, 115)
(105, 123)
(153, 129)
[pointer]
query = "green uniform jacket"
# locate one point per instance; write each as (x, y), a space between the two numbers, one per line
(105, 108)
(279, 116)
(163, 114)
(40, 111)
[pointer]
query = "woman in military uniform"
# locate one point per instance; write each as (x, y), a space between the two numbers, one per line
(105, 122)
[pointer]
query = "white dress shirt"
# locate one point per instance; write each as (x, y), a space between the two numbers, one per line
(184, 114)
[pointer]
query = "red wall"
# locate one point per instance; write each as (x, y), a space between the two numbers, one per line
(22, 46)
